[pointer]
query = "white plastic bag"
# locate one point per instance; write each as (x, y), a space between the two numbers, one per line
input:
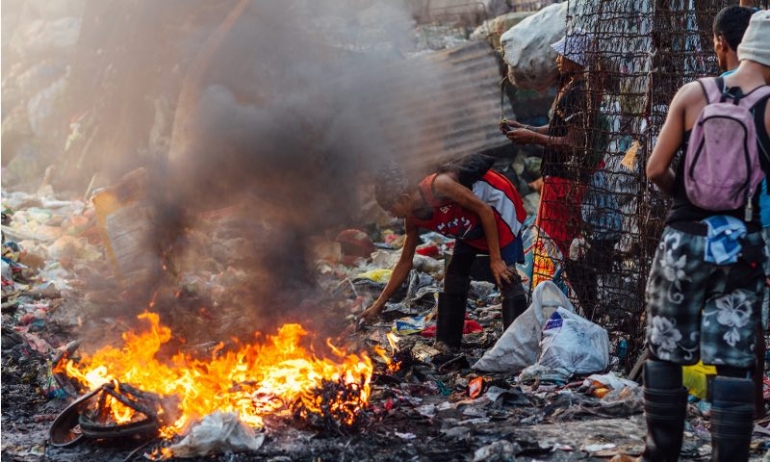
(218, 432)
(519, 345)
(527, 46)
(573, 343)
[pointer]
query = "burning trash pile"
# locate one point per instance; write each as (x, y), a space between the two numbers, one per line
(273, 377)
(172, 397)
(252, 394)
(208, 303)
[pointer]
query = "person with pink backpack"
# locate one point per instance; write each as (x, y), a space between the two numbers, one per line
(705, 287)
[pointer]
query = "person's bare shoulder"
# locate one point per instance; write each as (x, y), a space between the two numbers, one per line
(444, 181)
(688, 103)
(689, 94)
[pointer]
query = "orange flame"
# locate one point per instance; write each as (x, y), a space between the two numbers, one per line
(254, 381)
(391, 365)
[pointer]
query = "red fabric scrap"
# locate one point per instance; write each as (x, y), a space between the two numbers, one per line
(470, 327)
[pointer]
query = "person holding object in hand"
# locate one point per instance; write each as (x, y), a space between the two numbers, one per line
(566, 169)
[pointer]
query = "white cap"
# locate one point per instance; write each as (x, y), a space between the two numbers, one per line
(755, 45)
(575, 46)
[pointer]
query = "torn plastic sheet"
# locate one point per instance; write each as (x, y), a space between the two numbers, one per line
(510, 396)
(217, 433)
(610, 380)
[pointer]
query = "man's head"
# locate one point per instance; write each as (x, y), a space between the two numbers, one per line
(729, 26)
(392, 190)
(756, 42)
(574, 49)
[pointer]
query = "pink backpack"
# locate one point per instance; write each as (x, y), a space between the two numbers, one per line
(722, 169)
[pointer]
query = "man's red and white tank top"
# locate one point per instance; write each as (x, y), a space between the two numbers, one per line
(451, 220)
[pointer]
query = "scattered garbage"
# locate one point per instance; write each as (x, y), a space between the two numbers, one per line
(420, 385)
(410, 325)
(531, 393)
(499, 451)
(475, 387)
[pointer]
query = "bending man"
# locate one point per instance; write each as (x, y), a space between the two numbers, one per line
(485, 217)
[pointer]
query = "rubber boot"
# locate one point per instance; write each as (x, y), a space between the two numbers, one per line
(732, 419)
(759, 373)
(514, 301)
(450, 321)
(665, 409)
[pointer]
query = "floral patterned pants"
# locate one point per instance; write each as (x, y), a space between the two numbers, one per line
(698, 310)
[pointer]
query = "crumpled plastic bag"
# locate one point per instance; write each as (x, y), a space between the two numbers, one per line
(573, 343)
(519, 345)
(218, 432)
(378, 275)
(695, 378)
(610, 380)
(502, 450)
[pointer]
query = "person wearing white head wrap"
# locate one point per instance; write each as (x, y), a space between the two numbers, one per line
(756, 41)
(575, 46)
(679, 317)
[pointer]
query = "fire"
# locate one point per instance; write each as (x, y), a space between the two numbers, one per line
(391, 364)
(276, 377)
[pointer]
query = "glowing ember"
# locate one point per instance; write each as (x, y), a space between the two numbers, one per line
(277, 377)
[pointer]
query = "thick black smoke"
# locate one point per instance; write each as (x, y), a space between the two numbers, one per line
(288, 127)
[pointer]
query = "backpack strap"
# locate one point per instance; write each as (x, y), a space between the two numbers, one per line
(712, 87)
(763, 137)
(755, 96)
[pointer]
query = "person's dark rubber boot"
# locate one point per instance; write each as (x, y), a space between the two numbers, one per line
(665, 409)
(759, 373)
(450, 321)
(514, 300)
(732, 418)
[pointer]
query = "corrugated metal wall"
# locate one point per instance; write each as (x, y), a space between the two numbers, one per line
(465, 105)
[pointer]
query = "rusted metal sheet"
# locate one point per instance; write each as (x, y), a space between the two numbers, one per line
(450, 106)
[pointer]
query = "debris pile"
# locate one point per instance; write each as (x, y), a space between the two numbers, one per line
(558, 384)
(418, 393)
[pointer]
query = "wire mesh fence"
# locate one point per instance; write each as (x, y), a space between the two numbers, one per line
(599, 217)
